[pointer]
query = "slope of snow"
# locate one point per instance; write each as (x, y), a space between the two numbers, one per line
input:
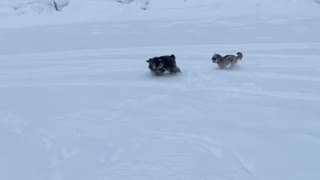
(87, 108)
(30, 12)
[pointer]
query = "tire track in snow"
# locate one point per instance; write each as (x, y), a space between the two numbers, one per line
(260, 92)
(217, 150)
(278, 76)
(93, 84)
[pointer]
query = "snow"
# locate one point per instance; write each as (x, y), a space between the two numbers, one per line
(22, 13)
(78, 102)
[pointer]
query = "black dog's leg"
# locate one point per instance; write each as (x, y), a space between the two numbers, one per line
(174, 70)
(158, 72)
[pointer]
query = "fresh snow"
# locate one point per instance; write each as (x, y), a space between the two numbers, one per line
(77, 101)
(21, 13)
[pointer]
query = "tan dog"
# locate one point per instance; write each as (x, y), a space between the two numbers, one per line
(226, 61)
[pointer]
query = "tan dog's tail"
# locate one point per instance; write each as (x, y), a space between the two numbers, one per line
(239, 55)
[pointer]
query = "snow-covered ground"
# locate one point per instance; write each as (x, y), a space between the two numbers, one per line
(21, 13)
(77, 101)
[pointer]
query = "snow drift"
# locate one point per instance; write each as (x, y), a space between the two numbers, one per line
(101, 10)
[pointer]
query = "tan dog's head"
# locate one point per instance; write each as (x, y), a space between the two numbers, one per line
(215, 58)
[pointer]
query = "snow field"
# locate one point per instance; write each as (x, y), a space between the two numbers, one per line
(77, 100)
(99, 114)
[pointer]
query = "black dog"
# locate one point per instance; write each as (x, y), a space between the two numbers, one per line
(161, 64)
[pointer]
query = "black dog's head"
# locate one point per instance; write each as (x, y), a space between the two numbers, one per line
(155, 63)
(158, 63)
(216, 57)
